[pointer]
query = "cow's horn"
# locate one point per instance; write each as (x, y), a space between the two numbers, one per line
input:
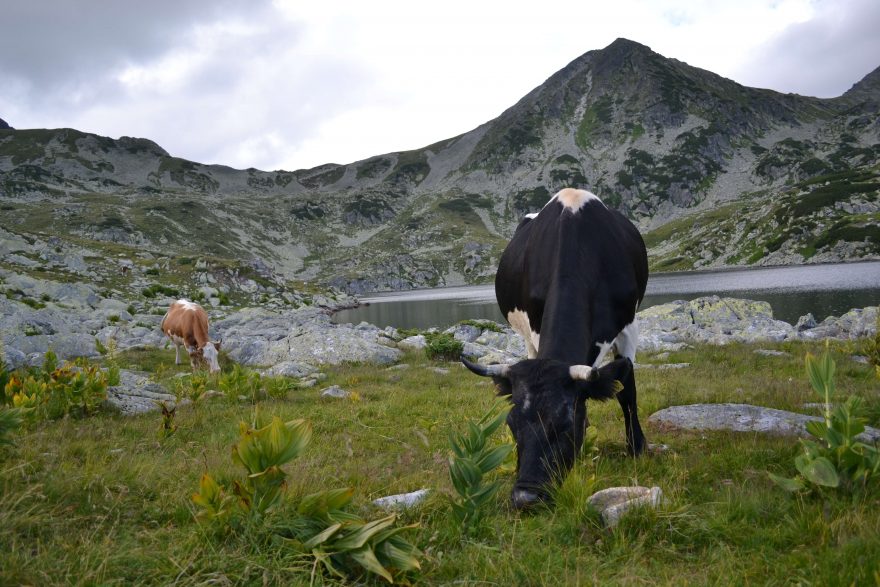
(583, 372)
(486, 371)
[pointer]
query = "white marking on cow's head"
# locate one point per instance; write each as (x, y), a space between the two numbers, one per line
(210, 354)
(574, 199)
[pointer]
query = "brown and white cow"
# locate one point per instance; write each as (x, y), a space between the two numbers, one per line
(186, 324)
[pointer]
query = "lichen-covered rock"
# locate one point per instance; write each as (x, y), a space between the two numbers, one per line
(741, 418)
(710, 320)
(138, 394)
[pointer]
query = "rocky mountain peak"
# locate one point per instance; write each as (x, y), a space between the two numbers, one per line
(867, 87)
(4, 125)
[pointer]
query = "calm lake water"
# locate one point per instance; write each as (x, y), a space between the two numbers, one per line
(824, 290)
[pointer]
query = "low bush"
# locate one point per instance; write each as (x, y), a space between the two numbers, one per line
(342, 542)
(836, 458)
(52, 392)
(442, 346)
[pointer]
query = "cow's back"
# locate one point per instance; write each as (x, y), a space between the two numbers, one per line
(187, 321)
(578, 275)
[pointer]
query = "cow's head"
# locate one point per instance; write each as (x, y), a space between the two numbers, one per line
(549, 416)
(207, 356)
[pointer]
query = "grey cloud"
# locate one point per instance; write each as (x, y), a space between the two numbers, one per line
(821, 57)
(59, 43)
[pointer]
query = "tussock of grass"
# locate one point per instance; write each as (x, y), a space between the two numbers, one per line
(104, 500)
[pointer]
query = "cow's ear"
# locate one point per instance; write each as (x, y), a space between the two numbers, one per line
(607, 381)
(503, 386)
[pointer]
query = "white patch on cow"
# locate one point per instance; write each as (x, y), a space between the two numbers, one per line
(527, 402)
(188, 305)
(519, 321)
(531, 216)
(604, 349)
(209, 351)
(626, 342)
(178, 342)
(574, 199)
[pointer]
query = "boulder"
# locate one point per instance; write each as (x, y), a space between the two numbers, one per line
(334, 391)
(137, 394)
(741, 418)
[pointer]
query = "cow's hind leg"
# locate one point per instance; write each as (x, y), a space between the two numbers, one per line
(635, 438)
(176, 354)
(625, 345)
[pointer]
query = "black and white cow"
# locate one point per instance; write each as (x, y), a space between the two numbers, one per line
(570, 282)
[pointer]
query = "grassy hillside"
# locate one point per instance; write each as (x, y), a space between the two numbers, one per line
(105, 500)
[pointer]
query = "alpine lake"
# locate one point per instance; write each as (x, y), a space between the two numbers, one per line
(792, 291)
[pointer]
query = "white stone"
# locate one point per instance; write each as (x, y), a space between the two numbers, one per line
(402, 500)
(613, 502)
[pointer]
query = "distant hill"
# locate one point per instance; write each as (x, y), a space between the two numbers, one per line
(713, 172)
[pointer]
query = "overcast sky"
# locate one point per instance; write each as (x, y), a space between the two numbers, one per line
(291, 84)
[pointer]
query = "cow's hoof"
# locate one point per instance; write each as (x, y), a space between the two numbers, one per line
(524, 499)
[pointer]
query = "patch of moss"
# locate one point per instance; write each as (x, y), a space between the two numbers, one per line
(527, 201)
(599, 113)
(373, 168)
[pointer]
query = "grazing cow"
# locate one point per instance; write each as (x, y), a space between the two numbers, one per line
(569, 282)
(186, 324)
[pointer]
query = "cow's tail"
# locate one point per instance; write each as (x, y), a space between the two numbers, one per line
(611, 380)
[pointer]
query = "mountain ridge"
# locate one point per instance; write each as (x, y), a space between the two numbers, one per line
(662, 141)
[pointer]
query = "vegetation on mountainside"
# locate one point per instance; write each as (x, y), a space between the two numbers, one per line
(723, 520)
(812, 216)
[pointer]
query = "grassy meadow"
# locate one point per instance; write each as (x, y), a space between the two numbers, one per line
(105, 500)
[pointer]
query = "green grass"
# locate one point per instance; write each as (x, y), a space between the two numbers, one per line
(105, 501)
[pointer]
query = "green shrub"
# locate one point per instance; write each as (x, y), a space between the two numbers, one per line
(838, 459)
(10, 420)
(483, 325)
(52, 392)
(871, 349)
(342, 542)
(153, 290)
(471, 460)
(442, 346)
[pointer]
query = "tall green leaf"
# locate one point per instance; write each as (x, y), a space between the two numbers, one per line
(819, 471)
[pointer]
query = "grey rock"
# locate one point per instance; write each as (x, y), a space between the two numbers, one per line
(771, 353)
(741, 418)
(335, 391)
(465, 332)
(416, 342)
(137, 394)
(662, 366)
(613, 502)
(290, 369)
(806, 322)
(402, 500)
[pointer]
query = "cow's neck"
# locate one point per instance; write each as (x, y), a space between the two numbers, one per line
(566, 327)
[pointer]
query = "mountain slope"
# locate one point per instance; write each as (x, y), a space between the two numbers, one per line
(713, 172)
